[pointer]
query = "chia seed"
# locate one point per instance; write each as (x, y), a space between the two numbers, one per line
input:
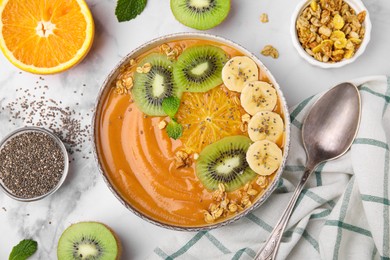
(31, 164)
(67, 123)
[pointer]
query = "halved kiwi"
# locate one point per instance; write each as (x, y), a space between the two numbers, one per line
(200, 14)
(199, 68)
(88, 240)
(152, 87)
(225, 162)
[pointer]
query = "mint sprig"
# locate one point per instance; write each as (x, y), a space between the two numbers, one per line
(23, 250)
(170, 105)
(174, 129)
(128, 9)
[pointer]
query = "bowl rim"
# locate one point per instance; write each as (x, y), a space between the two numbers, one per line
(358, 6)
(107, 84)
(58, 142)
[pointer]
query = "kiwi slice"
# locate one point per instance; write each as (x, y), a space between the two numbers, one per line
(225, 162)
(200, 14)
(199, 68)
(88, 240)
(151, 88)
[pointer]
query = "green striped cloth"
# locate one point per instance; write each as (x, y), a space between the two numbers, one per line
(343, 212)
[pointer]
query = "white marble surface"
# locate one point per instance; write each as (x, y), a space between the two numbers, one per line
(85, 196)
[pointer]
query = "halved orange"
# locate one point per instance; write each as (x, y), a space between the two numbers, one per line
(208, 117)
(45, 37)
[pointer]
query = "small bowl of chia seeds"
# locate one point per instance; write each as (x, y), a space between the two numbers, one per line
(33, 164)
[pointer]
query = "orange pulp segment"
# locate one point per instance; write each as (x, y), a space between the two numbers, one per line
(209, 117)
(45, 37)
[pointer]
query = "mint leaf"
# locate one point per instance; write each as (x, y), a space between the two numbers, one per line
(128, 9)
(174, 129)
(23, 250)
(170, 105)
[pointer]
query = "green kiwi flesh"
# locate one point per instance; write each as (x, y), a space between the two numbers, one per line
(200, 14)
(225, 162)
(88, 240)
(199, 68)
(151, 88)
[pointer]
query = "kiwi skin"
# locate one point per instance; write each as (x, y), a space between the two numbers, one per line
(186, 17)
(118, 242)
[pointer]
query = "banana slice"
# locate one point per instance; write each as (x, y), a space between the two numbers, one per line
(238, 71)
(266, 125)
(258, 96)
(264, 157)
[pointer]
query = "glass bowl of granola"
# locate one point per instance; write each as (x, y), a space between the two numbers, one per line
(330, 33)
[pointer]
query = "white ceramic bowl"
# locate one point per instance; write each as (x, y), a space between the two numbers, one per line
(358, 6)
(105, 89)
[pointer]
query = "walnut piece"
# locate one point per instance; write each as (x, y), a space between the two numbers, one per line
(264, 18)
(182, 159)
(270, 50)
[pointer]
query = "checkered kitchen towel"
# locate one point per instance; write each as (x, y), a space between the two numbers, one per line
(343, 212)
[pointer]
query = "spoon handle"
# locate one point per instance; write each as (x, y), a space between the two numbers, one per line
(270, 248)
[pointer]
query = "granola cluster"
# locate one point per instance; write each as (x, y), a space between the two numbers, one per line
(144, 68)
(172, 53)
(223, 206)
(124, 81)
(330, 30)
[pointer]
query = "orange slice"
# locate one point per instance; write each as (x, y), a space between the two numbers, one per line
(45, 37)
(209, 117)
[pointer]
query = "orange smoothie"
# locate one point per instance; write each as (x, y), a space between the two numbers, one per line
(139, 158)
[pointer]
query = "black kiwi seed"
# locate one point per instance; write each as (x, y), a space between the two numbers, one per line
(203, 9)
(225, 162)
(152, 87)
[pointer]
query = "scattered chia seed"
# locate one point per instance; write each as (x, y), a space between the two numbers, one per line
(31, 164)
(67, 123)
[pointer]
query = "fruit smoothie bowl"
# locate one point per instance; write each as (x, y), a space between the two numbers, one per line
(191, 131)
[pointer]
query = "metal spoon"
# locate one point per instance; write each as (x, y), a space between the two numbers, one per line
(328, 132)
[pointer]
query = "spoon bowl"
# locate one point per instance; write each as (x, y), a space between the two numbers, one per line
(330, 127)
(328, 132)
